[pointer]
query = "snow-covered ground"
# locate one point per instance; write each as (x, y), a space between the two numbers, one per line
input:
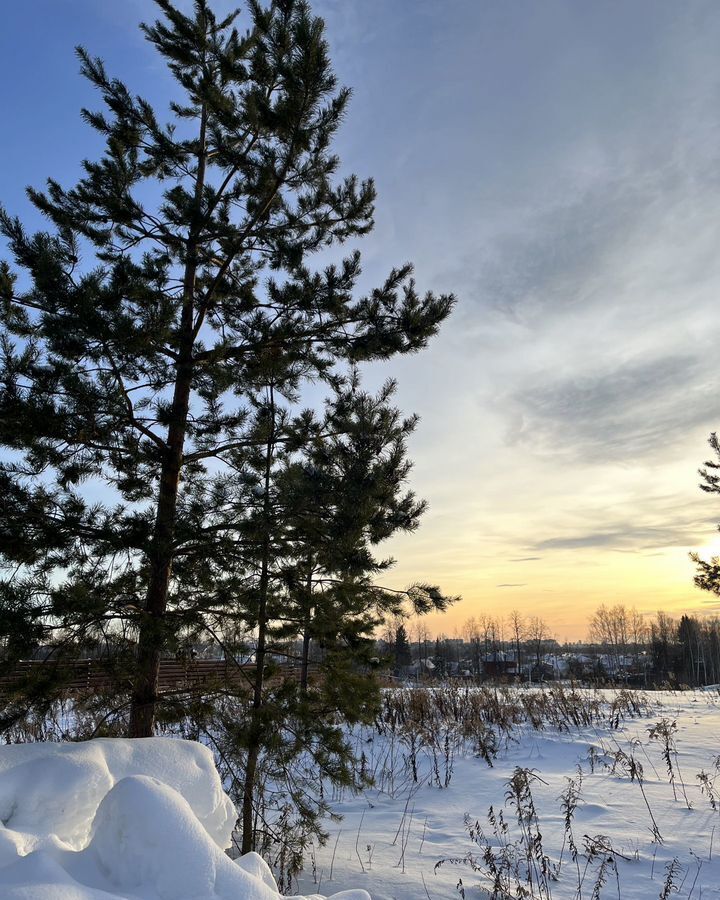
(619, 806)
(117, 819)
(391, 841)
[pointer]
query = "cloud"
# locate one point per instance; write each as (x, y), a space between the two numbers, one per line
(632, 536)
(631, 412)
(596, 539)
(602, 316)
(511, 585)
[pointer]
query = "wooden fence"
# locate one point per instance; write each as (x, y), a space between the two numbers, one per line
(86, 675)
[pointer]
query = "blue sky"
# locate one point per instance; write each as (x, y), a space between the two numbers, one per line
(557, 166)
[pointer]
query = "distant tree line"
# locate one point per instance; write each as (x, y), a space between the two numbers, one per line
(485, 645)
(622, 646)
(677, 651)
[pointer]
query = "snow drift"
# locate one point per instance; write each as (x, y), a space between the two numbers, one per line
(116, 819)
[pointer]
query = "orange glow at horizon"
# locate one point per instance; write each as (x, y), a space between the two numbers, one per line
(566, 592)
(605, 541)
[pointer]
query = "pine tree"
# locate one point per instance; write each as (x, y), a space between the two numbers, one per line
(141, 335)
(332, 489)
(403, 654)
(708, 572)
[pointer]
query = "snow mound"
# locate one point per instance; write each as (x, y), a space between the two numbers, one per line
(110, 819)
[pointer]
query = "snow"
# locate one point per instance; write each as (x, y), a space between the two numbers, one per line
(109, 819)
(149, 820)
(389, 841)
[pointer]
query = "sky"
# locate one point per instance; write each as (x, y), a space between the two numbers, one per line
(556, 166)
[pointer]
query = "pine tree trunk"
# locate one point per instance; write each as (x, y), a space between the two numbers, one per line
(152, 635)
(304, 665)
(305, 659)
(256, 735)
(692, 660)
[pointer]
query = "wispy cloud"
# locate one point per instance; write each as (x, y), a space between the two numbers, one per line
(680, 528)
(635, 411)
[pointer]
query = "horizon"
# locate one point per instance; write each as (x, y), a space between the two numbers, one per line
(556, 167)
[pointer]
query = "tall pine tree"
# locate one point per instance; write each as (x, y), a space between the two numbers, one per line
(135, 333)
(326, 504)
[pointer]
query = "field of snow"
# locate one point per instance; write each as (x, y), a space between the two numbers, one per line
(118, 819)
(506, 794)
(639, 820)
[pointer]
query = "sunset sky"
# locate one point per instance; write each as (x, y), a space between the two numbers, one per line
(556, 165)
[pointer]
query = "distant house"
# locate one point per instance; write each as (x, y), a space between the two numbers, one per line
(542, 672)
(421, 668)
(499, 668)
(499, 664)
